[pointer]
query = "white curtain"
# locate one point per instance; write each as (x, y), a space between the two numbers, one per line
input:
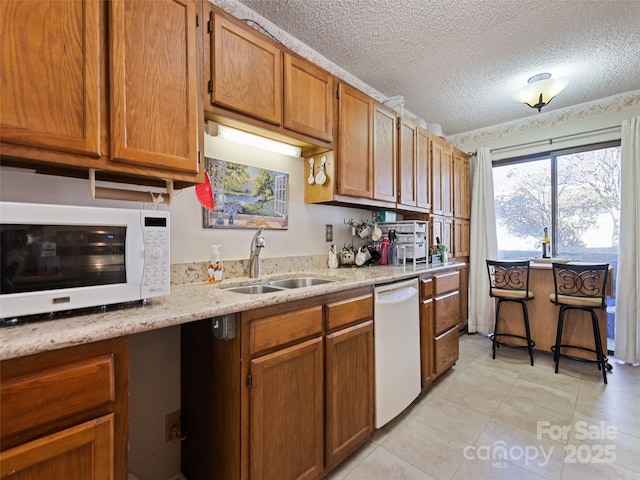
(628, 277)
(484, 243)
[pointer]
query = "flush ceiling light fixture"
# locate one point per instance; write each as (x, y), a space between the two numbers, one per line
(540, 90)
(246, 138)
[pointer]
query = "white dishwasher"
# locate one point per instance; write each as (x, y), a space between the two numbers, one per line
(397, 348)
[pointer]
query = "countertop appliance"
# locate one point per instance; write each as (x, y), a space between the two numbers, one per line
(61, 257)
(397, 348)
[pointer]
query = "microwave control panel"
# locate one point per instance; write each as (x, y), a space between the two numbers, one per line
(157, 262)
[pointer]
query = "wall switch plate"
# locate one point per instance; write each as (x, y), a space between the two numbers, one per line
(328, 233)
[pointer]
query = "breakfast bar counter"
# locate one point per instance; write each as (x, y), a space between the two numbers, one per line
(543, 316)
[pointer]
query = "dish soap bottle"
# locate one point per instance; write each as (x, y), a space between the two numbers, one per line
(214, 268)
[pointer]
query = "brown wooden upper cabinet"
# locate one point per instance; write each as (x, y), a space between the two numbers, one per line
(246, 71)
(384, 153)
(441, 176)
(423, 171)
(461, 185)
(407, 165)
(355, 142)
(308, 98)
(155, 108)
(111, 86)
(51, 76)
(255, 84)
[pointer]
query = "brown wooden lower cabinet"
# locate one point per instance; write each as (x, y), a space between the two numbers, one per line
(349, 391)
(439, 319)
(289, 398)
(286, 399)
(64, 413)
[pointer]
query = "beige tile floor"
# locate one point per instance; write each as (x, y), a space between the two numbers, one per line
(503, 419)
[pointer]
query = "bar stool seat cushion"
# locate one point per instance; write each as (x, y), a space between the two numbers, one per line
(514, 294)
(592, 302)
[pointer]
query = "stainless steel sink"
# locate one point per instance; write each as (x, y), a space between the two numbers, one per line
(298, 282)
(254, 289)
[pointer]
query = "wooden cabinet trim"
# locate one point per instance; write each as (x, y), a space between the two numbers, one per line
(278, 330)
(348, 311)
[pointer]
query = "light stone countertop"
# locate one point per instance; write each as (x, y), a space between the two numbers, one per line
(188, 303)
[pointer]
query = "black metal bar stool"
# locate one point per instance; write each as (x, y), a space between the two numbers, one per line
(509, 282)
(580, 287)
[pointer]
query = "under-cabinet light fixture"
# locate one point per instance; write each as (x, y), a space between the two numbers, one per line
(246, 138)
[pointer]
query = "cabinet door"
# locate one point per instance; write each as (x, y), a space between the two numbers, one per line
(447, 233)
(461, 185)
(155, 107)
(349, 391)
(407, 140)
(446, 181)
(50, 84)
(423, 171)
(308, 98)
(384, 153)
(83, 451)
(426, 342)
(355, 142)
(436, 150)
(461, 237)
(246, 71)
(447, 348)
(446, 312)
(286, 413)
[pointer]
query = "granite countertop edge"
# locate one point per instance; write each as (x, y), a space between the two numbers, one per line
(189, 303)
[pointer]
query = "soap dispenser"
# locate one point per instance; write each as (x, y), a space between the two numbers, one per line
(214, 269)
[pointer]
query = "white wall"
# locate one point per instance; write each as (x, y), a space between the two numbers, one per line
(583, 124)
(305, 235)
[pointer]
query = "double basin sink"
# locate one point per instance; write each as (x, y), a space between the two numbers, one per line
(279, 285)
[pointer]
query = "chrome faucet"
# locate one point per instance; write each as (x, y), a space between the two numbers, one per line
(257, 244)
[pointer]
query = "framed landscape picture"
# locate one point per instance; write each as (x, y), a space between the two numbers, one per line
(246, 197)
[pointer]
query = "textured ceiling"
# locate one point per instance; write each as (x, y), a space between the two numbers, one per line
(459, 62)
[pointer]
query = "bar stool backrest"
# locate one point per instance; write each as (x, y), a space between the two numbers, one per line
(580, 281)
(508, 275)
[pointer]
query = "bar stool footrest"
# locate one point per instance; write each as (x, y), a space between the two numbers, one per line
(582, 359)
(512, 345)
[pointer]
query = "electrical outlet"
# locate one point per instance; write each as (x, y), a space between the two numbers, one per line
(172, 426)
(328, 233)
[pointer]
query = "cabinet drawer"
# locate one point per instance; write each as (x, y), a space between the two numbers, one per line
(447, 311)
(349, 311)
(426, 287)
(447, 350)
(446, 282)
(32, 400)
(281, 329)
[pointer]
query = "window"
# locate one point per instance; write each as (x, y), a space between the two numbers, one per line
(574, 193)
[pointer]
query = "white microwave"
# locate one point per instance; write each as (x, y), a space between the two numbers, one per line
(60, 257)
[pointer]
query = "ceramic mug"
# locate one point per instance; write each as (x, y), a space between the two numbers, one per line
(364, 230)
(376, 233)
